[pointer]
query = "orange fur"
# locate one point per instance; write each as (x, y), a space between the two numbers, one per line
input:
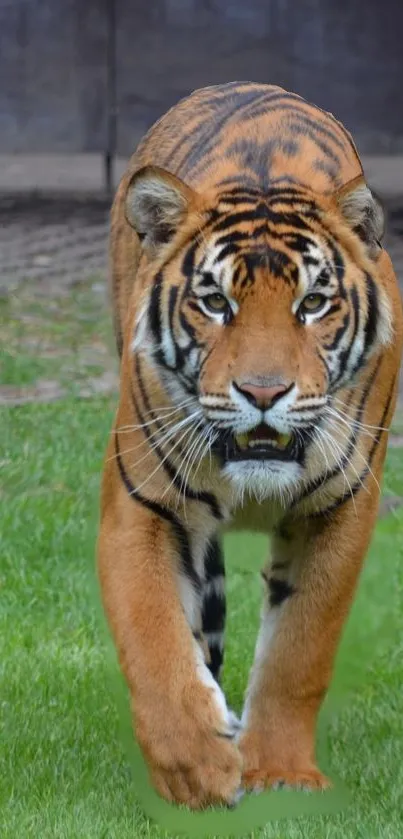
(159, 509)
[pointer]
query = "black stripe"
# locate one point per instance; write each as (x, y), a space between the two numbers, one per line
(298, 242)
(214, 565)
(228, 250)
(240, 199)
(335, 307)
(317, 126)
(216, 660)
(206, 280)
(188, 262)
(214, 607)
(154, 307)
(179, 354)
(344, 356)
(238, 191)
(196, 308)
(261, 211)
(291, 200)
(323, 361)
(372, 315)
(303, 117)
(239, 236)
(279, 590)
(245, 180)
(338, 336)
(256, 155)
(329, 169)
(154, 315)
(213, 617)
(301, 127)
(247, 111)
(179, 530)
(186, 136)
(338, 265)
(277, 261)
(173, 296)
(280, 97)
(243, 237)
(189, 329)
(288, 179)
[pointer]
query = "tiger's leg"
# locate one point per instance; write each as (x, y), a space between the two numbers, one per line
(149, 592)
(310, 584)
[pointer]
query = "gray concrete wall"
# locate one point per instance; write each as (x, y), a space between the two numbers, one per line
(345, 55)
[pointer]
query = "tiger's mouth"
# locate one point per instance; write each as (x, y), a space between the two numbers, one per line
(261, 443)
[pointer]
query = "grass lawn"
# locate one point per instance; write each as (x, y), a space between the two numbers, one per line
(64, 765)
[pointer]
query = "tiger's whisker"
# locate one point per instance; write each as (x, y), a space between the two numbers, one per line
(192, 432)
(359, 454)
(161, 438)
(339, 463)
(338, 447)
(162, 461)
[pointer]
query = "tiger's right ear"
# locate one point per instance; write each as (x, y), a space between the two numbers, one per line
(364, 213)
(156, 203)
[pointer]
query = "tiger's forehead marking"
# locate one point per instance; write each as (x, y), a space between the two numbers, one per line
(237, 271)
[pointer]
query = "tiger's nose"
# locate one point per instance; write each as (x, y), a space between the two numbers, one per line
(263, 396)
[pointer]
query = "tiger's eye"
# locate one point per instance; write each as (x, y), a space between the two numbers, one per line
(216, 302)
(313, 302)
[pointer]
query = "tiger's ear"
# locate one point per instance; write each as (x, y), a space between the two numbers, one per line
(364, 213)
(156, 204)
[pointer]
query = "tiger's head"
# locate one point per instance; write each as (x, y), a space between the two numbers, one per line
(258, 309)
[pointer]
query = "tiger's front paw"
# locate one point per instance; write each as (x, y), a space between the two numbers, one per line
(191, 752)
(266, 767)
(276, 777)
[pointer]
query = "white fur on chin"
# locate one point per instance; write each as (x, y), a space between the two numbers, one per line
(262, 480)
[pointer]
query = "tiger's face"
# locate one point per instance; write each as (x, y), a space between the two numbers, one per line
(258, 320)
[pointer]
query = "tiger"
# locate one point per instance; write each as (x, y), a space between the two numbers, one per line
(259, 328)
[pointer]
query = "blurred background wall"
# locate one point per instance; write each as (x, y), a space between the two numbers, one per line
(81, 81)
(91, 75)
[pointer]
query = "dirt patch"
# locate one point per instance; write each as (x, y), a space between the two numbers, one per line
(54, 242)
(50, 391)
(55, 345)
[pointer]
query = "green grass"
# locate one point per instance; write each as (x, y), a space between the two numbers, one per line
(64, 765)
(65, 337)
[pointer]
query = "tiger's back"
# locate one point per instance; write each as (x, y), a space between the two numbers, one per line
(235, 134)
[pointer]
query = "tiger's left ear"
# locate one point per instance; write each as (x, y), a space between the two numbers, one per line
(364, 213)
(156, 204)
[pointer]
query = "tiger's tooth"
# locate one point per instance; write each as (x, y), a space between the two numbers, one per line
(283, 440)
(242, 440)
